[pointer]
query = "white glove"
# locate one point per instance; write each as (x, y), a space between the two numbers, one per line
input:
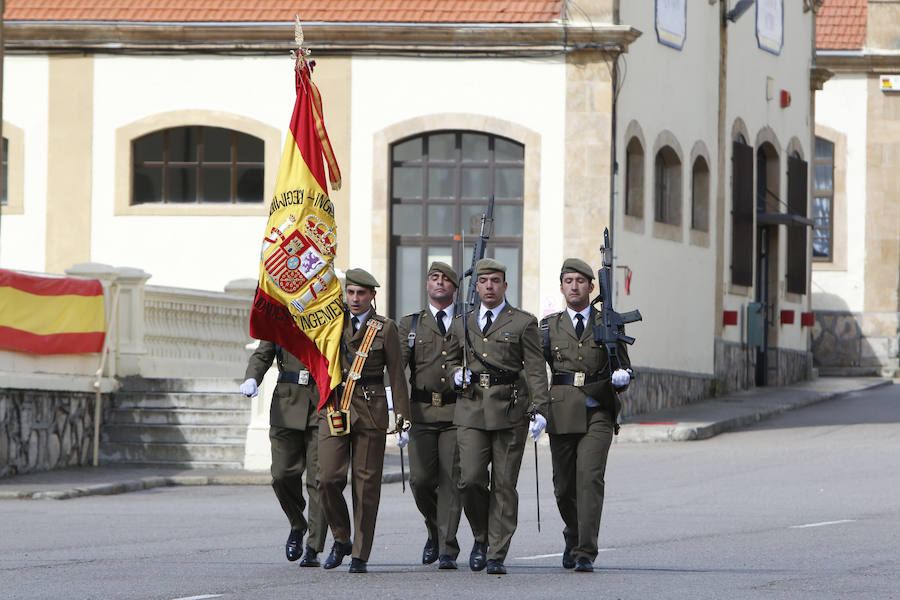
(249, 389)
(458, 377)
(402, 439)
(538, 422)
(620, 378)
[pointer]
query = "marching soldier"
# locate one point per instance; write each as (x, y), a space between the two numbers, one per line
(293, 436)
(505, 367)
(433, 455)
(352, 430)
(584, 405)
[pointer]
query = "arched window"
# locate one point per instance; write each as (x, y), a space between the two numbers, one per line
(440, 183)
(634, 178)
(700, 195)
(197, 164)
(667, 187)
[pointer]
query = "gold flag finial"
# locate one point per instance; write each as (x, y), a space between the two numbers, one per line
(298, 31)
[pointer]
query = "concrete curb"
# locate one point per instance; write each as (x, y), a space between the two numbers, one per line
(692, 431)
(146, 483)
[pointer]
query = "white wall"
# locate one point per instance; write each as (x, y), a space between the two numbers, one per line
(531, 93)
(674, 282)
(25, 94)
(187, 251)
(748, 69)
(842, 106)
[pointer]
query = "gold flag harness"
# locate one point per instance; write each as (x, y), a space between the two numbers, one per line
(339, 419)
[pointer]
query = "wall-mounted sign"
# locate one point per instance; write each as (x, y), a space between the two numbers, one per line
(890, 83)
(770, 25)
(671, 22)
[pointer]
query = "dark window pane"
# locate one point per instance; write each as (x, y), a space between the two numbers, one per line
(249, 148)
(470, 218)
(441, 183)
(509, 151)
(149, 147)
(3, 167)
(182, 184)
(147, 185)
(250, 184)
(216, 185)
(508, 220)
(407, 182)
(441, 253)
(475, 148)
(442, 146)
(509, 183)
(183, 144)
(409, 150)
(476, 183)
(406, 219)
(441, 219)
(824, 177)
(510, 258)
(216, 144)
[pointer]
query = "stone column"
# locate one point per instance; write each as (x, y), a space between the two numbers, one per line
(129, 332)
(257, 449)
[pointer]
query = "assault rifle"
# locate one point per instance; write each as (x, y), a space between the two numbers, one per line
(612, 329)
(487, 225)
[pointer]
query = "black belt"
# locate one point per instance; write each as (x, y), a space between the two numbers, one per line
(487, 380)
(576, 379)
(369, 380)
(434, 398)
(301, 377)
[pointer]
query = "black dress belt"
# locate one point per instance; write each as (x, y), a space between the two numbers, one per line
(369, 380)
(490, 379)
(428, 397)
(301, 377)
(576, 379)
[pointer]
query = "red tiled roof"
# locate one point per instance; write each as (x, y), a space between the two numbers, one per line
(180, 11)
(841, 25)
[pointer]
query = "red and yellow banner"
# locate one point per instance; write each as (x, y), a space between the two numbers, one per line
(51, 315)
(298, 302)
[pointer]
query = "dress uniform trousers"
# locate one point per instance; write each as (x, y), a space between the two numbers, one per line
(293, 451)
(434, 476)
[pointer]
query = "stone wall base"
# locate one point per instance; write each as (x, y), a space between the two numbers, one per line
(864, 343)
(42, 430)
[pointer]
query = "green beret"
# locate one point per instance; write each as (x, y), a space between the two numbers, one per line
(361, 277)
(576, 265)
(489, 265)
(441, 267)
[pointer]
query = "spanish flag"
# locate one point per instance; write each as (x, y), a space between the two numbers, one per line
(298, 302)
(51, 315)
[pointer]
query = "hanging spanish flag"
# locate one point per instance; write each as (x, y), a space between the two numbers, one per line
(298, 302)
(51, 315)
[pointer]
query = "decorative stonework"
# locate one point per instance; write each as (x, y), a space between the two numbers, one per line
(847, 343)
(42, 430)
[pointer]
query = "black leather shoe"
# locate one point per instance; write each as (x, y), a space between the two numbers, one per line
(310, 558)
(358, 565)
(568, 559)
(445, 562)
(495, 567)
(338, 552)
(292, 546)
(584, 565)
(477, 559)
(430, 552)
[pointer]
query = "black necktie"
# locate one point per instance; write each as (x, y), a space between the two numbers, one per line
(579, 327)
(487, 322)
(355, 322)
(440, 321)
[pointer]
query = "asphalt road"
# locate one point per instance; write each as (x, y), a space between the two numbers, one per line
(806, 505)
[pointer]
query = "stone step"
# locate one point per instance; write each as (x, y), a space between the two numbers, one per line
(177, 416)
(190, 434)
(200, 400)
(195, 384)
(175, 464)
(137, 452)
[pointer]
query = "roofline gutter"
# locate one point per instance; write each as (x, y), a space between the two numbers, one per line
(322, 38)
(855, 61)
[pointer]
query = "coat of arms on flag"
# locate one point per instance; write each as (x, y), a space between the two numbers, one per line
(298, 302)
